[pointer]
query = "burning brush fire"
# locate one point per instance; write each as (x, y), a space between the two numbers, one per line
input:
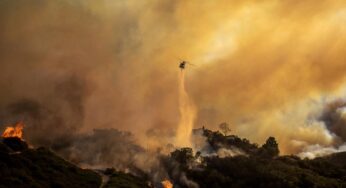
(14, 131)
(166, 184)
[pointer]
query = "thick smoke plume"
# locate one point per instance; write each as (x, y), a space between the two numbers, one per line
(68, 67)
(50, 121)
(334, 117)
(314, 151)
(102, 149)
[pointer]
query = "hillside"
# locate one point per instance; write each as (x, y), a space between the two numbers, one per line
(255, 167)
(23, 167)
(250, 166)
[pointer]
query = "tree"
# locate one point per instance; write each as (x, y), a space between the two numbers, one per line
(270, 148)
(225, 128)
(184, 155)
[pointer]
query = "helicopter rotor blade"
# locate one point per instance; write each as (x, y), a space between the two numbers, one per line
(179, 59)
(190, 63)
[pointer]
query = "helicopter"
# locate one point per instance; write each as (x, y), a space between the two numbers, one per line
(183, 64)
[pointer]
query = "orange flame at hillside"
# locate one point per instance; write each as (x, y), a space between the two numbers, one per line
(15, 131)
(167, 184)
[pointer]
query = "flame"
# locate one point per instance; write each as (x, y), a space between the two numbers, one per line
(167, 184)
(14, 131)
(187, 115)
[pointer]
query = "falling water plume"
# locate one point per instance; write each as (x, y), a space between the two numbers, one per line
(187, 115)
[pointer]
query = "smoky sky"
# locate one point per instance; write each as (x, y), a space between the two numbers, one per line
(260, 66)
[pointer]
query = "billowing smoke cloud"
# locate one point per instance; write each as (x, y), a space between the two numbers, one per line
(104, 148)
(334, 117)
(50, 121)
(314, 151)
(73, 66)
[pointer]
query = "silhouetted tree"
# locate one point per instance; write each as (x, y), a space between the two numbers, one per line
(270, 149)
(184, 155)
(225, 128)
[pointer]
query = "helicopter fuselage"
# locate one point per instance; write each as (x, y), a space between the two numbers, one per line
(182, 65)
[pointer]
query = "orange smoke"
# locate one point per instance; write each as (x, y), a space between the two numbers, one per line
(167, 184)
(14, 131)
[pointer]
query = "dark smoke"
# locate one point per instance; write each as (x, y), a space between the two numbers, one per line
(49, 122)
(103, 148)
(334, 117)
